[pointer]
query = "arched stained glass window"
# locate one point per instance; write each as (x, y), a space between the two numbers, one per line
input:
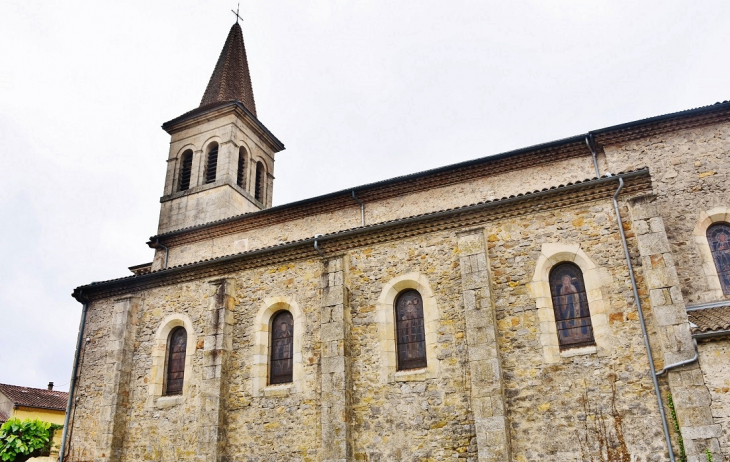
(212, 165)
(260, 182)
(718, 236)
(176, 361)
(570, 305)
(410, 333)
(241, 170)
(282, 348)
(186, 167)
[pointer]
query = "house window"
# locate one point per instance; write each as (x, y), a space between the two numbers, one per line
(410, 333)
(212, 164)
(282, 348)
(259, 191)
(186, 167)
(570, 306)
(176, 361)
(241, 170)
(718, 236)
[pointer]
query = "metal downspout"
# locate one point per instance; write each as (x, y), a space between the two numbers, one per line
(667, 437)
(362, 207)
(167, 251)
(316, 246)
(682, 363)
(72, 387)
(590, 144)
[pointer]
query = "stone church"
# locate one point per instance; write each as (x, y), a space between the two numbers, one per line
(567, 301)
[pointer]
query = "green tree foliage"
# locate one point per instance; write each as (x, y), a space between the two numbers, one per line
(19, 441)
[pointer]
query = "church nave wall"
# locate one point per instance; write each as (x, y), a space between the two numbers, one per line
(690, 174)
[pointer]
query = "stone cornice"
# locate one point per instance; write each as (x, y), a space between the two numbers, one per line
(462, 217)
(217, 110)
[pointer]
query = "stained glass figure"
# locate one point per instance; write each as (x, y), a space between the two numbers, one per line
(410, 333)
(282, 348)
(570, 305)
(718, 236)
(176, 361)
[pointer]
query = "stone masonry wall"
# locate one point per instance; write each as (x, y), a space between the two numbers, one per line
(85, 430)
(555, 397)
(396, 417)
(690, 172)
(425, 418)
(715, 366)
(469, 192)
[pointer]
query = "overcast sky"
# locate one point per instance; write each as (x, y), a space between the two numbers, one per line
(358, 91)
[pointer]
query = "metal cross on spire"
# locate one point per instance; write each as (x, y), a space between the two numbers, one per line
(236, 13)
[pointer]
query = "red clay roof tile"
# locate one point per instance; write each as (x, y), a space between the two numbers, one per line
(35, 397)
(710, 319)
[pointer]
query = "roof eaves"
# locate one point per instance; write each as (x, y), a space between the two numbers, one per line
(724, 105)
(78, 292)
(220, 105)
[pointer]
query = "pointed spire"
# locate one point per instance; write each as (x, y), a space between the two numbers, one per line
(231, 79)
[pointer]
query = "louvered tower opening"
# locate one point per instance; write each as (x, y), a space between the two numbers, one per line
(241, 171)
(259, 191)
(185, 169)
(212, 164)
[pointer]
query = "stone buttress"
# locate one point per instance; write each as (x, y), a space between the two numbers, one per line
(487, 399)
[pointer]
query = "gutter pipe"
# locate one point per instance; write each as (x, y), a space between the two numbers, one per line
(72, 387)
(665, 426)
(591, 146)
(719, 333)
(167, 251)
(362, 207)
(682, 363)
(316, 246)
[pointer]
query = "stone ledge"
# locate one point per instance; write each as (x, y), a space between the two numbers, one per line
(411, 375)
(589, 350)
(165, 402)
(273, 391)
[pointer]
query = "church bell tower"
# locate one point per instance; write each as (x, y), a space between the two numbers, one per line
(221, 160)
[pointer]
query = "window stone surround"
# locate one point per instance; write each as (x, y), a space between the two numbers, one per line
(261, 349)
(706, 219)
(159, 360)
(595, 278)
(385, 319)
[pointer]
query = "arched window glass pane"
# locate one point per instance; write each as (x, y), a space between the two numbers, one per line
(176, 361)
(570, 304)
(185, 169)
(212, 164)
(410, 332)
(718, 236)
(259, 191)
(282, 348)
(241, 177)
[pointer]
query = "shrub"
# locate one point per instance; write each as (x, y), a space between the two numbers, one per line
(19, 441)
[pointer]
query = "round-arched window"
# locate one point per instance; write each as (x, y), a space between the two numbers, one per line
(410, 332)
(570, 304)
(282, 348)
